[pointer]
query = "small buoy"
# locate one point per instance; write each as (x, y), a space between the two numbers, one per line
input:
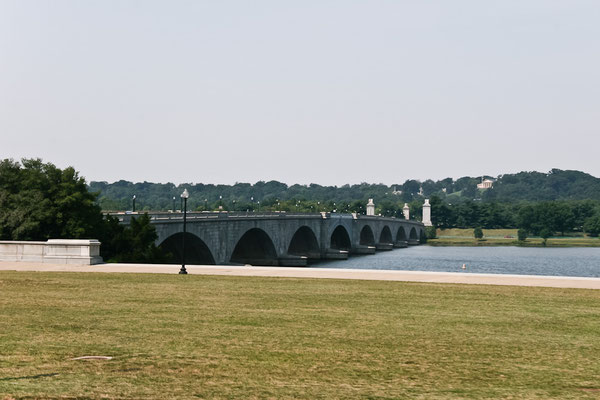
(464, 266)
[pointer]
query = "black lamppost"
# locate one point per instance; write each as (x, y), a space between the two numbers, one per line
(133, 200)
(173, 203)
(184, 197)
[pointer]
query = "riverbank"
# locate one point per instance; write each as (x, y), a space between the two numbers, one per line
(507, 237)
(530, 242)
(173, 336)
(322, 273)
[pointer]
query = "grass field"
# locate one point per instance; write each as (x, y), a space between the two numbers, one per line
(236, 337)
(507, 237)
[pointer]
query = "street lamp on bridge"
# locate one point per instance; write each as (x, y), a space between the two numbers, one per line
(133, 206)
(184, 197)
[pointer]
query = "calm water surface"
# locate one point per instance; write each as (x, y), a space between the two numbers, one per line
(495, 260)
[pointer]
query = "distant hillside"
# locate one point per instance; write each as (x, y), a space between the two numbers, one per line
(523, 186)
(536, 186)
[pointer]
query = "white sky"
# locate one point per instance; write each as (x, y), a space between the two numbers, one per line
(329, 92)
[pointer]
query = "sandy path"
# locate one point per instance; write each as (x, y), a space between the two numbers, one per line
(288, 272)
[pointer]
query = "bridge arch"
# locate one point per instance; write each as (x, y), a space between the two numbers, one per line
(366, 236)
(340, 240)
(196, 251)
(305, 243)
(386, 235)
(413, 234)
(254, 247)
(401, 235)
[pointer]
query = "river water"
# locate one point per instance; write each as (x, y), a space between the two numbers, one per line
(573, 261)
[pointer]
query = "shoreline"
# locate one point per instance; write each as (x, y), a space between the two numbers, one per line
(322, 273)
(501, 242)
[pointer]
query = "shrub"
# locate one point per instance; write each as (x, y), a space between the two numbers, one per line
(522, 234)
(592, 225)
(431, 232)
(545, 233)
(478, 233)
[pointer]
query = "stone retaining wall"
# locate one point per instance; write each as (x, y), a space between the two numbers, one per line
(54, 251)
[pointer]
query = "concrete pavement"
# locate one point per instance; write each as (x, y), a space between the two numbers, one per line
(331, 273)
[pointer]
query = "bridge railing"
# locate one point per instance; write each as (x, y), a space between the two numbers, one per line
(158, 217)
(196, 215)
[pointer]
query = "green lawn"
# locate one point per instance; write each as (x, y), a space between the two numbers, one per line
(507, 237)
(192, 336)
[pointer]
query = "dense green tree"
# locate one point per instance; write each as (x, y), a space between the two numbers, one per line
(39, 201)
(478, 233)
(592, 225)
(134, 243)
(522, 235)
(431, 232)
(545, 233)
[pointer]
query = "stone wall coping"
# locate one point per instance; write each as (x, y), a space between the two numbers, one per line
(72, 242)
(21, 242)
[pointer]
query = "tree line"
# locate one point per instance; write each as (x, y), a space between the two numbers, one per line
(548, 217)
(555, 185)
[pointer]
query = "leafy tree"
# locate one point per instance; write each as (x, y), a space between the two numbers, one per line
(478, 233)
(431, 232)
(39, 201)
(522, 235)
(545, 233)
(135, 243)
(592, 225)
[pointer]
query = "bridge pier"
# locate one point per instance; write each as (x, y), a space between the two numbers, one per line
(363, 249)
(335, 254)
(293, 261)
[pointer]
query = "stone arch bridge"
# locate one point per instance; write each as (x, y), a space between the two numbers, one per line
(279, 238)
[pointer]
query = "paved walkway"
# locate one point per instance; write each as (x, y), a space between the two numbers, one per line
(289, 272)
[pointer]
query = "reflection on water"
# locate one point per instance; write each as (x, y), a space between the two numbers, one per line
(496, 260)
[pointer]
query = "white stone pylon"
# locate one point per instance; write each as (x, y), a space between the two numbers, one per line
(427, 213)
(406, 211)
(370, 207)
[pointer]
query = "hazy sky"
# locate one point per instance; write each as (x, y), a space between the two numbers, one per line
(329, 92)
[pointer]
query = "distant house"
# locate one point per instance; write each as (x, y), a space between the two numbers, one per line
(485, 184)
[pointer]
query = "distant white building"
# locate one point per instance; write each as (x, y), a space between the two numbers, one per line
(485, 184)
